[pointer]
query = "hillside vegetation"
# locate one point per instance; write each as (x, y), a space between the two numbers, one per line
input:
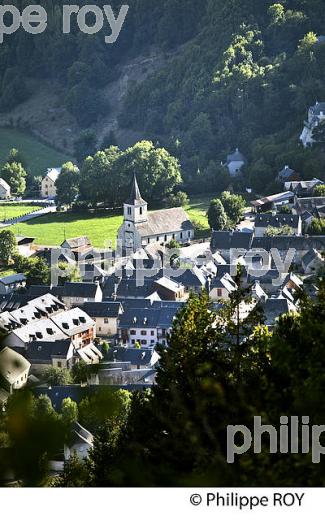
(236, 74)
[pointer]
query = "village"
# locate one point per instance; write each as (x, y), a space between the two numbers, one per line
(111, 321)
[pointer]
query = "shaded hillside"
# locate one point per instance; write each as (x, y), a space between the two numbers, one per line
(201, 80)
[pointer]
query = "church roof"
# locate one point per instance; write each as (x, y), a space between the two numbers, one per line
(318, 108)
(236, 156)
(135, 195)
(165, 221)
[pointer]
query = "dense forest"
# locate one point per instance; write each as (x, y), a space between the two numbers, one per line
(236, 74)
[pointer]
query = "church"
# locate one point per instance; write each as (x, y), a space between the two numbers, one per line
(141, 228)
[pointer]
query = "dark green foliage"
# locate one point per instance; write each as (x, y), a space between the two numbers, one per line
(67, 184)
(8, 246)
(217, 216)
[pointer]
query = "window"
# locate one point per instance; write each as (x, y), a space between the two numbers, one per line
(158, 238)
(219, 293)
(99, 329)
(133, 341)
(141, 211)
(189, 234)
(143, 342)
(173, 236)
(143, 333)
(166, 238)
(59, 364)
(181, 236)
(152, 333)
(106, 321)
(133, 332)
(148, 240)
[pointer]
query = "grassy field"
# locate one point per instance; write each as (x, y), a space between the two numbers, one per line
(197, 211)
(100, 227)
(8, 211)
(53, 228)
(37, 155)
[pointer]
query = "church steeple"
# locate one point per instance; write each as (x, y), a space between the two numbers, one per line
(135, 208)
(135, 195)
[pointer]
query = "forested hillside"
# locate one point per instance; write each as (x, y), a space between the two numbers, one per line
(237, 73)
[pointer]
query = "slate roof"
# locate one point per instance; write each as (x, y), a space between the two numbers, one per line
(152, 318)
(318, 108)
(274, 199)
(286, 173)
(12, 365)
(4, 184)
(77, 242)
(14, 278)
(309, 257)
(263, 220)
(73, 321)
(273, 308)
(283, 243)
(44, 351)
(53, 173)
(226, 240)
(165, 221)
(139, 357)
(236, 156)
(135, 198)
(80, 290)
(103, 309)
(309, 204)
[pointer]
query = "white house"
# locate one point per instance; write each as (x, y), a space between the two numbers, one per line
(14, 370)
(4, 190)
(235, 162)
(141, 228)
(10, 284)
(316, 115)
(106, 315)
(263, 221)
(48, 189)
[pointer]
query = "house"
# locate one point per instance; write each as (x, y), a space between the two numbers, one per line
(235, 162)
(316, 115)
(12, 283)
(299, 245)
(76, 325)
(314, 205)
(78, 246)
(263, 221)
(75, 294)
(141, 228)
(273, 201)
(25, 246)
(134, 358)
(273, 308)
(105, 315)
(221, 288)
(303, 188)
(43, 354)
(41, 330)
(147, 326)
(4, 190)
(169, 289)
(14, 370)
(312, 262)
(287, 174)
(81, 441)
(227, 242)
(48, 189)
